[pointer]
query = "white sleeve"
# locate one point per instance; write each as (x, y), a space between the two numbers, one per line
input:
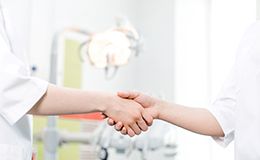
(19, 92)
(223, 109)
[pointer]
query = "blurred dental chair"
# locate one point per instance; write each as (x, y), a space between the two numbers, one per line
(157, 143)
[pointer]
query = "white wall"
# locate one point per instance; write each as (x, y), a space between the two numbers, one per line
(41, 35)
(258, 9)
(154, 72)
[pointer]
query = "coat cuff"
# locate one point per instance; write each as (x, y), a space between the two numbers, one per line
(34, 90)
(226, 126)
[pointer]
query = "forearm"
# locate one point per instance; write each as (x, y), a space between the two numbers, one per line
(197, 120)
(59, 100)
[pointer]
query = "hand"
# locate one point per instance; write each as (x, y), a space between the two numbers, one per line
(128, 113)
(150, 112)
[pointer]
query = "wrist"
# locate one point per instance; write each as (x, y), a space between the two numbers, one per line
(102, 108)
(104, 102)
(161, 109)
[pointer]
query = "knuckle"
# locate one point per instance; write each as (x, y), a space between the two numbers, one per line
(132, 122)
(137, 117)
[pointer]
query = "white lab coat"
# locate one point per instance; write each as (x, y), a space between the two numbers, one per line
(237, 107)
(18, 91)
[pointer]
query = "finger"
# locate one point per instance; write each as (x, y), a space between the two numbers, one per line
(130, 132)
(129, 95)
(133, 95)
(142, 125)
(123, 131)
(118, 126)
(136, 129)
(123, 94)
(148, 118)
(110, 122)
(103, 116)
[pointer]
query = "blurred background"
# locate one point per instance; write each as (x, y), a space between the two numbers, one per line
(187, 48)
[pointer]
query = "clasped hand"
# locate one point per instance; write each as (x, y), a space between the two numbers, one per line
(137, 114)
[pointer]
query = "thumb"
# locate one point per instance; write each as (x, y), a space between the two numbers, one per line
(123, 94)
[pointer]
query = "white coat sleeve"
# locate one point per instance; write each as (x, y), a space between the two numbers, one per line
(19, 92)
(223, 109)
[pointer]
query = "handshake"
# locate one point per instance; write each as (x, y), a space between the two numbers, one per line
(132, 112)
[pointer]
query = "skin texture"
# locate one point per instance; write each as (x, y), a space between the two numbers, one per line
(61, 101)
(197, 120)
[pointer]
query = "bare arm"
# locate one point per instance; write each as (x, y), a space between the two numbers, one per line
(197, 120)
(59, 100)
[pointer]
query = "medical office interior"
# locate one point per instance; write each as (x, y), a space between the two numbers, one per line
(178, 50)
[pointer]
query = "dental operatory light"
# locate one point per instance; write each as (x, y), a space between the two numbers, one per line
(106, 50)
(112, 48)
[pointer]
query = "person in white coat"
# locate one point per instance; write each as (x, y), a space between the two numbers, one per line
(234, 115)
(22, 95)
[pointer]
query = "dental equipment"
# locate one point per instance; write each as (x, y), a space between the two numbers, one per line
(161, 137)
